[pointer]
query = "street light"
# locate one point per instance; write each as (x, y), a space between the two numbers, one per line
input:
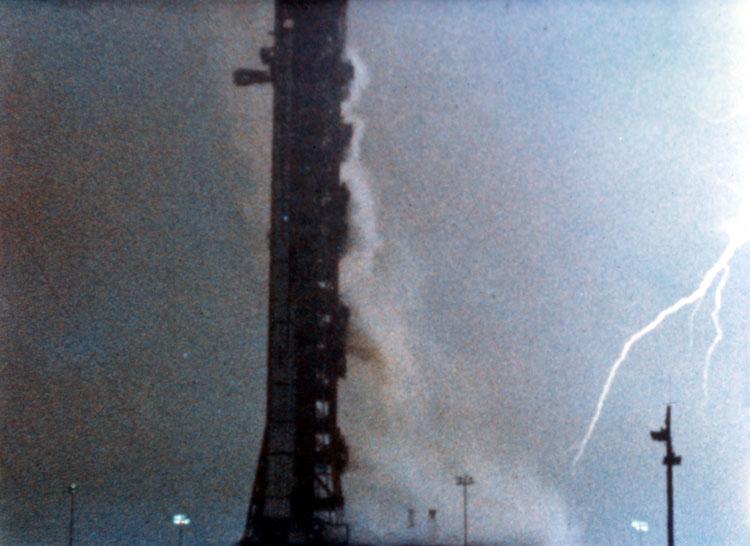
(72, 488)
(641, 527)
(465, 481)
(181, 521)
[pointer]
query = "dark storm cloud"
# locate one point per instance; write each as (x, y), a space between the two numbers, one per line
(133, 285)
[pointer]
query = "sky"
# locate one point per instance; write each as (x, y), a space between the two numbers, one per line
(534, 182)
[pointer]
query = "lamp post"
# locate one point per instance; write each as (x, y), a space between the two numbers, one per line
(670, 460)
(72, 488)
(181, 521)
(641, 527)
(465, 481)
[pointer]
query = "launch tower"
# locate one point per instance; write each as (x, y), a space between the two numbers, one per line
(297, 497)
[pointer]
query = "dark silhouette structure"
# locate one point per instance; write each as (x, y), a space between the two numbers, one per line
(297, 496)
(670, 459)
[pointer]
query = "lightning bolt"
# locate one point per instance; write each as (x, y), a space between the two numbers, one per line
(737, 230)
(717, 327)
(721, 265)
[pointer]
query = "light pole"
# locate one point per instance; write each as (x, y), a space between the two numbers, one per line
(465, 481)
(181, 521)
(670, 459)
(641, 527)
(72, 488)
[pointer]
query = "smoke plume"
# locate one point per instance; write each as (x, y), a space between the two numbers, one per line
(401, 459)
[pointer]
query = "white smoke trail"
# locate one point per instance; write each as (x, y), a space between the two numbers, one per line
(382, 402)
(717, 327)
(363, 218)
(721, 264)
(399, 457)
(377, 324)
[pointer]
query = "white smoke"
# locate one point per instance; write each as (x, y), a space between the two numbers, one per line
(377, 332)
(363, 219)
(401, 458)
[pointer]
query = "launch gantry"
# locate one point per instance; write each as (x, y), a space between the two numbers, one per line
(297, 496)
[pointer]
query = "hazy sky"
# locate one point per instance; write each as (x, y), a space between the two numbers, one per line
(536, 181)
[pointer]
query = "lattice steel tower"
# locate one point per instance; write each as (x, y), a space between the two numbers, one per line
(297, 497)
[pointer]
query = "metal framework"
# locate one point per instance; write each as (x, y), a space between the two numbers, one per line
(297, 496)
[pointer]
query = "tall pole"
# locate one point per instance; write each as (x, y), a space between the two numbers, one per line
(179, 535)
(72, 488)
(465, 481)
(466, 518)
(670, 507)
(671, 459)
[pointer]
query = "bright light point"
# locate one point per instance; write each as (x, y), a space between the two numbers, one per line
(639, 526)
(738, 228)
(181, 519)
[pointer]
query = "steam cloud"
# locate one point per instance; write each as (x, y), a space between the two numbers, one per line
(401, 455)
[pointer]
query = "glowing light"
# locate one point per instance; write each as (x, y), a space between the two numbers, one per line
(738, 227)
(181, 520)
(639, 526)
